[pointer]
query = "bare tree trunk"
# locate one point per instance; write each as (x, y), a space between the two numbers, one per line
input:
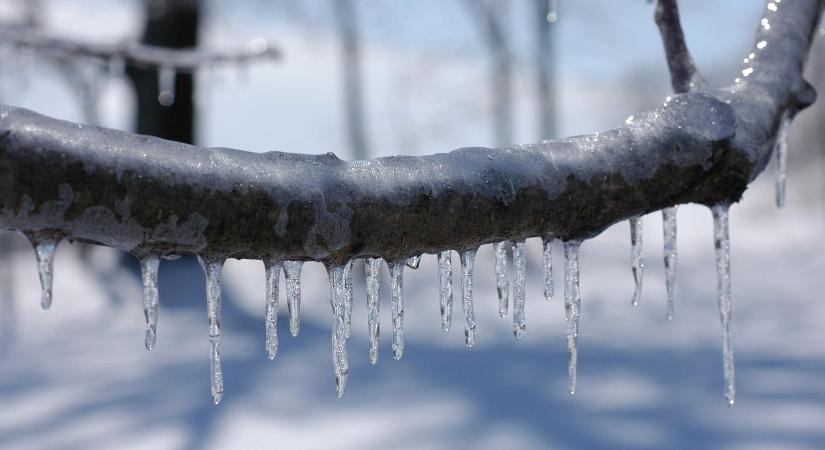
(545, 75)
(347, 21)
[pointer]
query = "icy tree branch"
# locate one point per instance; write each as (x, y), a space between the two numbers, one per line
(144, 194)
(683, 73)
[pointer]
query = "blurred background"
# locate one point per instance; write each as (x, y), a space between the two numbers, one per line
(370, 78)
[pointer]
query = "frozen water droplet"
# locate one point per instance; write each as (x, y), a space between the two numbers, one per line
(519, 272)
(445, 289)
(338, 300)
(166, 85)
(721, 240)
(373, 305)
(547, 266)
(572, 305)
(292, 274)
(273, 273)
(552, 11)
(502, 278)
(669, 225)
(637, 257)
(397, 286)
(44, 249)
(413, 262)
(213, 271)
(781, 151)
(149, 265)
(467, 261)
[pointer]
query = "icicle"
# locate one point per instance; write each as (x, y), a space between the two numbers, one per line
(445, 289)
(348, 300)
(273, 273)
(781, 151)
(467, 260)
(338, 300)
(721, 240)
(519, 272)
(373, 304)
(547, 266)
(669, 225)
(572, 305)
(292, 273)
(44, 249)
(213, 270)
(117, 68)
(413, 262)
(166, 85)
(397, 286)
(149, 265)
(502, 279)
(637, 257)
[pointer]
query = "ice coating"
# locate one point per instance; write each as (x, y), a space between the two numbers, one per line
(547, 266)
(721, 241)
(373, 304)
(213, 271)
(44, 250)
(397, 287)
(149, 265)
(669, 228)
(502, 278)
(292, 274)
(519, 274)
(467, 261)
(572, 305)
(273, 273)
(637, 257)
(445, 289)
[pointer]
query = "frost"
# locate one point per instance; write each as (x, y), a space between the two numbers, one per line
(467, 260)
(781, 151)
(721, 241)
(547, 266)
(572, 305)
(338, 300)
(292, 273)
(149, 265)
(669, 226)
(445, 289)
(273, 273)
(212, 270)
(44, 249)
(397, 287)
(637, 257)
(502, 281)
(373, 304)
(519, 272)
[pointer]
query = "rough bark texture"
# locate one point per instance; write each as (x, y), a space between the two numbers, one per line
(141, 193)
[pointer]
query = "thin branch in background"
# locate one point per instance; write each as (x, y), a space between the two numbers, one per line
(346, 19)
(684, 76)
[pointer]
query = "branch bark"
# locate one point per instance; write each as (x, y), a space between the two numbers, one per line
(144, 194)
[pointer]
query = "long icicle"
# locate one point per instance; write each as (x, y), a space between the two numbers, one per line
(721, 241)
(273, 273)
(45, 247)
(519, 296)
(373, 304)
(292, 274)
(669, 228)
(637, 257)
(348, 300)
(467, 261)
(337, 299)
(445, 289)
(397, 287)
(781, 151)
(149, 265)
(547, 265)
(572, 305)
(213, 270)
(502, 277)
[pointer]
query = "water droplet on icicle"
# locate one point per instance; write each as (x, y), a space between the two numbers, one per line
(669, 228)
(373, 305)
(519, 274)
(413, 262)
(44, 249)
(292, 274)
(637, 257)
(445, 289)
(502, 278)
(572, 305)
(338, 300)
(467, 261)
(273, 273)
(149, 265)
(397, 286)
(166, 85)
(547, 266)
(781, 151)
(213, 270)
(721, 241)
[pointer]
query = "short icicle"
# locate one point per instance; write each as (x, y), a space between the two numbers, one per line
(502, 277)
(45, 247)
(781, 151)
(373, 305)
(149, 265)
(166, 85)
(519, 274)
(721, 241)
(637, 257)
(445, 289)
(414, 261)
(467, 261)
(292, 274)
(397, 287)
(213, 270)
(669, 228)
(273, 273)
(572, 305)
(547, 266)
(338, 300)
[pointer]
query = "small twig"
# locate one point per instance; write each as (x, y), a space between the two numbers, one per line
(684, 76)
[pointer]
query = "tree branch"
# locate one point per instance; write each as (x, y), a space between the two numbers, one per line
(144, 194)
(683, 73)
